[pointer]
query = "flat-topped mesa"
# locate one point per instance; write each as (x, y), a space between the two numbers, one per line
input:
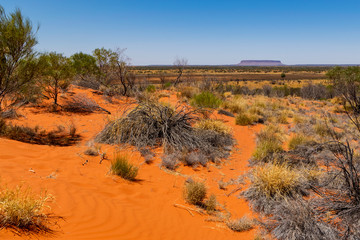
(260, 63)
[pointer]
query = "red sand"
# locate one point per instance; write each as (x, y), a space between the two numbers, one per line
(96, 205)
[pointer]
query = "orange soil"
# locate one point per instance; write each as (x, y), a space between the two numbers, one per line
(96, 205)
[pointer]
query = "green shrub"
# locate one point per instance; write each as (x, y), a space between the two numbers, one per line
(195, 192)
(167, 85)
(151, 89)
(120, 166)
(206, 100)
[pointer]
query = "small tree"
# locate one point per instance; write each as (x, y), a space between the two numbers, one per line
(180, 64)
(56, 74)
(122, 63)
(283, 75)
(84, 65)
(105, 61)
(17, 40)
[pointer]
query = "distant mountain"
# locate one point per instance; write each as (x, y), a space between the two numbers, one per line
(260, 63)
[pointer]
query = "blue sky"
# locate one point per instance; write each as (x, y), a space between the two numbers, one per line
(204, 32)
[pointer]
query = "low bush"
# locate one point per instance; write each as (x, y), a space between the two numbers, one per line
(206, 100)
(120, 166)
(195, 192)
(10, 114)
(241, 224)
(296, 219)
(80, 103)
(151, 124)
(170, 161)
(195, 159)
(23, 212)
(35, 136)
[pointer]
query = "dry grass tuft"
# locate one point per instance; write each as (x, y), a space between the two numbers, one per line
(23, 212)
(275, 180)
(195, 192)
(241, 224)
(120, 166)
(213, 125)
(297, 140)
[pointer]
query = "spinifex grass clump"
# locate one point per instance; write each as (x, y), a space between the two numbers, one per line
(269, 141)
(271, 183)
(120, 166)
(22, 212)
(152, 124)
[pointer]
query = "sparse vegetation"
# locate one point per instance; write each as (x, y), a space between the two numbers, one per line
(206, 100)
(121, 166)
(22, 211)
(36, 136)
(241, 224)
(195, 192)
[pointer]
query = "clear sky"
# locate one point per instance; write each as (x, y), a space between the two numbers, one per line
(203, 31)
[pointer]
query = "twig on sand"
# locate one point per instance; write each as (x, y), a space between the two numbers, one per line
(188, 209)
(234, 191)
(184, 207)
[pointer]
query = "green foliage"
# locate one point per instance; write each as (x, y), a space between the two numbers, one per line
(17, 65)
(56, 72)
(195, 192)
(120, 166)
(84, 65)
(151, 89)
(206, 100)
(167, 85)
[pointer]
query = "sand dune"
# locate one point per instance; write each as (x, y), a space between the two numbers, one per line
(96, 205)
